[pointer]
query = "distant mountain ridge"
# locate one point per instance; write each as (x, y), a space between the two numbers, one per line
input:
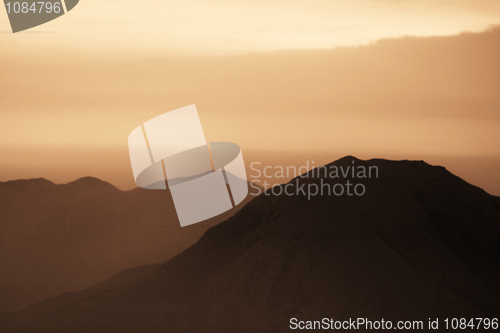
(66, 237)
(421, 243)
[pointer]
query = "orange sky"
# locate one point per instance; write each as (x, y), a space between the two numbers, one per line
(263, 74)
(124, 29)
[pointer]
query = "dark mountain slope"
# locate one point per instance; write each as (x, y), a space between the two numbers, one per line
(60, 238)
(421, 243)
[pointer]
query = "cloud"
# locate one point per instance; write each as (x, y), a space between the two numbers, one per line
(408, 96)
(192, 27)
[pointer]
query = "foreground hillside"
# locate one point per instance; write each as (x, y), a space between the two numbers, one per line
(421, 243)
(60, 238)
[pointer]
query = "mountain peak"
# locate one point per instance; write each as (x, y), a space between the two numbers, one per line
(27, 183)
(90, 182)
(347, 158)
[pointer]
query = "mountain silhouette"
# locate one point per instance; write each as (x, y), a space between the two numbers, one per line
(61, 238)
(420, 243)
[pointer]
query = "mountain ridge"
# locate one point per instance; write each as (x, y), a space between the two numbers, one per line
(56, 238)
(396, 253)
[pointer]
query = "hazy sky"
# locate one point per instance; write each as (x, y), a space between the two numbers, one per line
(199, 27)
(73, 89)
